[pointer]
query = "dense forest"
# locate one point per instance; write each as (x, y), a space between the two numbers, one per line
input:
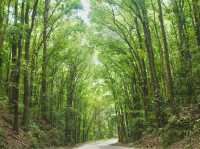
(73, 71)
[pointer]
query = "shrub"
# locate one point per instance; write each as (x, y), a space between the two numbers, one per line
(37, 136)
(175, 130)
(56, 137)
(3, 144)
(136, 129)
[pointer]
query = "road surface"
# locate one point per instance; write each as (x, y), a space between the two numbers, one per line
(108, 144)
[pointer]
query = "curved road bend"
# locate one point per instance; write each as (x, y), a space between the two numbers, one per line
(108, 144)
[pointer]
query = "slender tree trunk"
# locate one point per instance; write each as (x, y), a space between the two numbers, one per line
(13, 85)
(15, 70)
(9, 53)
(44, 98)
(4, 20)
(2, 7)
(185, 54)
(143, 73)
(196, 11)
(27, 91)
(33, 74)
(169, 81)
(163, 82)
(152, 66)
(26, 70)
(1, 37)
(69, 128)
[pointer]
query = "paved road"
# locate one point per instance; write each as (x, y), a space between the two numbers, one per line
(109, 144)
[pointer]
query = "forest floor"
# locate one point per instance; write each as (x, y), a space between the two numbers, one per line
(7, 137)
(154, 142)
(22, 141)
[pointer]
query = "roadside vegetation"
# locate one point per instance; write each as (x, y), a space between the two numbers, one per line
(73, 71)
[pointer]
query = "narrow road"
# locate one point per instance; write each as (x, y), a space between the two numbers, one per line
(108, 144)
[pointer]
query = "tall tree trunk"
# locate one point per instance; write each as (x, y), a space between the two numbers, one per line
(4, 20)
(15, 70)
(2, 7)
(185, 54)
(152, 66)
(26, 69)
(1, 36)
(196, 11)
(27, 92)
(163, 82)
(69, 124)
(13, 85)
(143, 73)
(44, 99)
(34, 57)
(9, 53)
(169, 81)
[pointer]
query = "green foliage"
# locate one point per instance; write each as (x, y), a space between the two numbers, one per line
(175, 130)
(196, 127)
(37, 136)
(56, 137)
(3, 144)
(136, 129)
(128, 70)
(40, 138)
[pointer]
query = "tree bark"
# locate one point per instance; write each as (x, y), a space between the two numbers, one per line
(16, 64)
(27, 91)
(185, 54)
(144, 79)
(44, 99)
(152, 66)
(2, 15)
(196, 11)
(169, 81)
(69, 128)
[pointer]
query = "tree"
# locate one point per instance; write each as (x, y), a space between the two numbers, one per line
(169, 81)
(196, 7)
(44, 98)
(132, 70)
(184, 49)
(27, 91)
(2, 3)
(16, 63)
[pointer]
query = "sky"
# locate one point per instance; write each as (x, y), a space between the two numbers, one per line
(84, 13)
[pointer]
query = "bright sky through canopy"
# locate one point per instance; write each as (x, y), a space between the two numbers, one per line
(84, 13)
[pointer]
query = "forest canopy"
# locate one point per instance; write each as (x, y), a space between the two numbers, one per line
(78, 70)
